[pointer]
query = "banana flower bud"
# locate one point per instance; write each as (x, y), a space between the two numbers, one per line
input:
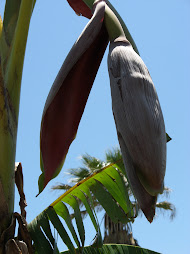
(139, 123)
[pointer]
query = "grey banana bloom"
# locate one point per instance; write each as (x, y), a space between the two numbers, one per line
(139, 123)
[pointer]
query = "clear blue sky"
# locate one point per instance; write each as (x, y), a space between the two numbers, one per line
(161, 30)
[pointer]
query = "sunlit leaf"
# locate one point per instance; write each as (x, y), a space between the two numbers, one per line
(62, 210)
(60, 229)
(104, 185)
(116, 214)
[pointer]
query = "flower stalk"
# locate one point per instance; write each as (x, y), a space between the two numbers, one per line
(115, 25)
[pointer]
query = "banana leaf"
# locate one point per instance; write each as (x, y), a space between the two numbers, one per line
(106, 186)
(115, 249)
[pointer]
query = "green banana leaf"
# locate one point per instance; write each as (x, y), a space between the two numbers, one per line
(107, 186)
(115, 249)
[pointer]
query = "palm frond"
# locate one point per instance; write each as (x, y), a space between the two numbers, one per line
(165, 206)
(78, 174)
(61, 186)
(166, 192)
(113, 155)
(92, 163)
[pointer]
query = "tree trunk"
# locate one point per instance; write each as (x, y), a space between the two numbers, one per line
(118, 233)
(13, 37)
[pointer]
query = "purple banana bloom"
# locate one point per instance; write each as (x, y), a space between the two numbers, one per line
(139, 122)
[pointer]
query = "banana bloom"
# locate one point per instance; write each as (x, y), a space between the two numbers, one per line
(139, 122)
(136, 108)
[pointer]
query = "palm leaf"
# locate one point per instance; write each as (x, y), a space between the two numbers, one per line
(115, 249)
(61, 186)
(108, 188)
(92, 163)
(166, 206)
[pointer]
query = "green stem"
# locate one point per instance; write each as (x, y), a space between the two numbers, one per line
(15, 64)
(10, 83)
(113, 25)
(7, 159)
(114, 21)
(10, 18)
(125, 29)
(7, 151)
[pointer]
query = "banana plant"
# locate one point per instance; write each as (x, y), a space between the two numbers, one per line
(69, 93)
(136, 108)
(61, 117)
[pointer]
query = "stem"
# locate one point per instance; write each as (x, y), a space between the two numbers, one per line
(7, 151)
(113, 26)
(7, 159)
(125, 29)
(112, 23)
(11, 12)
(10, 83)
(15, 65)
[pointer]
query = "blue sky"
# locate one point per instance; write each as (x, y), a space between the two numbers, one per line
(161, 31)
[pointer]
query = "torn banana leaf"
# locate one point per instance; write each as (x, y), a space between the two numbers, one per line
(139, 122)
(68, 96)
(108, 187)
